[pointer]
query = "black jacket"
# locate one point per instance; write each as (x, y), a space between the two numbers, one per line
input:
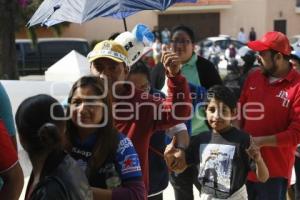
(61, 179)
(207, 73)
(158, 170)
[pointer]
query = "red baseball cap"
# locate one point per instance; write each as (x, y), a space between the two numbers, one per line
(272, 41)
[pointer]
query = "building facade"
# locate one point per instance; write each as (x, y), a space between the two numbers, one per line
(206, 18)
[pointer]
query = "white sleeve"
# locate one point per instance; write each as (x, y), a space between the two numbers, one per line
(175, 129)
(165, 87)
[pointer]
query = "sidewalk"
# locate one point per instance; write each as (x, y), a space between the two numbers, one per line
(169, 193)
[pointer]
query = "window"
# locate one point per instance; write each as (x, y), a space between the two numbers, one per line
(238, 44)
(222, 44)
(280, 25)
(294, 40)
(207, 43)
(32, 61)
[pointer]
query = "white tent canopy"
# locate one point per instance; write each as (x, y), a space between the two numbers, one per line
(69, 68)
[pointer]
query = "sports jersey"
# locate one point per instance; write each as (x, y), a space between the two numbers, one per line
(125, 160)
(273, 108)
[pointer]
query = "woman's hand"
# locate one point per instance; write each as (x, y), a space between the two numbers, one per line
(170, 61)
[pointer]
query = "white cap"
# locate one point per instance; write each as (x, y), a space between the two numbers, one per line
(134, 48)
(137, 43)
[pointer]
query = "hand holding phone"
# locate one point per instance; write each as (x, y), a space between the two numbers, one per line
(170, 60)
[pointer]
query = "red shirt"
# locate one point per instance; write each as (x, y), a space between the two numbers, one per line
(8, 154)
(139, 124)
(280, 101)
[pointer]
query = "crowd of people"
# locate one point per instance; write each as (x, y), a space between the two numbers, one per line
(242, 36)
(126, 130)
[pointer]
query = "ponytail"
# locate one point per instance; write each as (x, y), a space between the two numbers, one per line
(49, 137)
(39, 132)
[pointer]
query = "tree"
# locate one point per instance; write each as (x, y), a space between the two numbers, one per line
(8, 63)
(14, 15)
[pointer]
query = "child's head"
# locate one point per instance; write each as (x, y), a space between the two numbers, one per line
(220, 107)
(39, 124)
(139, 75)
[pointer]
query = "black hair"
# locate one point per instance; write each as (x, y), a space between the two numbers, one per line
(37, 126)
(140, 68)
(249, 58)
(185, 29)
(223, 94)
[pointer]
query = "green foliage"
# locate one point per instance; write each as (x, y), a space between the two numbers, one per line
(32, 35)
(25, 13)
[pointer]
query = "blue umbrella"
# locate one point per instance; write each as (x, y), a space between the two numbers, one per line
(52, 12)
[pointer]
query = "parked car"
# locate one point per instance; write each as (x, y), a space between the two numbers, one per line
(223, 41)
(295, 41)
(32, 60)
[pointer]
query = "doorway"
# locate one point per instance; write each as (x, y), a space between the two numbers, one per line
(280, 26)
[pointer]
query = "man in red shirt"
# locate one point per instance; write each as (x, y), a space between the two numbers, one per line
(270, 112)
(136, 113)
(10, 170)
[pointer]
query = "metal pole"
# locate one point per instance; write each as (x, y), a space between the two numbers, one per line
(125, 25)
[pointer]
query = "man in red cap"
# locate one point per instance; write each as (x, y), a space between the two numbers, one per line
(270, 112)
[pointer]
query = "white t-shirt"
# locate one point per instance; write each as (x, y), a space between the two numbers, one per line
(242, 37)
